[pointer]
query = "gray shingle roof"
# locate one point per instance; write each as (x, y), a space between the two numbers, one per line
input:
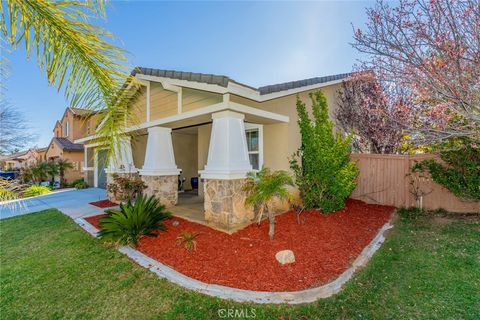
(82, 111)
(181, 75)
(68, 145)
(224, 80)
(301, 83)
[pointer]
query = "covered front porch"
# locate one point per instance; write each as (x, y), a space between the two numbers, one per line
(196, 164)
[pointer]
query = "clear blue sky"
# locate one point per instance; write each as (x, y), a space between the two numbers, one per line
(256, 43)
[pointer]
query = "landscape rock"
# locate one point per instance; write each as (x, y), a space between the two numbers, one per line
(285, 256)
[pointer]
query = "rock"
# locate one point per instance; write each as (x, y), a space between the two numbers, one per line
(285, 256)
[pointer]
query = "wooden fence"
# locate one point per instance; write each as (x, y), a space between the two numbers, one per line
(386, 179)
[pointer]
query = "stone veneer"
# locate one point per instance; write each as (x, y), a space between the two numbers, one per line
(164, 188)
(225, 204)
(110, 195)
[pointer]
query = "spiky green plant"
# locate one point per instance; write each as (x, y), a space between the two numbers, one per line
(76, 56)
(262, 188)
(187, 238)
(128, 224)
(40, 171)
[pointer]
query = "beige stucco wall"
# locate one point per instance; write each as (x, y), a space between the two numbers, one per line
(76, 158)
(53, 151)
(186, 155)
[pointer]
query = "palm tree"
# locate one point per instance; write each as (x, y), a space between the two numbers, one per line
(262, 188)
(63, 165)
(75, 55)
(52, 170)
(39, 172)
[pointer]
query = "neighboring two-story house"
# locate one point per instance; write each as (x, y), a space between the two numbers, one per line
(76, 123)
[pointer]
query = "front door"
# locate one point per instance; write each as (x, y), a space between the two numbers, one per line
(101, 164)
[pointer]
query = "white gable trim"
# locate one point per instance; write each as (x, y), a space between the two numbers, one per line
(234, 88)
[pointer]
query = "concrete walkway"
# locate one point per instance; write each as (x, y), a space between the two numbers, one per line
(73, 203)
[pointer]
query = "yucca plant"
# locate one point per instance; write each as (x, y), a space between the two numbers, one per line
(262, 188)
(133, 220)
(187, 238)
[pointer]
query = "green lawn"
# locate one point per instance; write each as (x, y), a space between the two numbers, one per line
(429, 268)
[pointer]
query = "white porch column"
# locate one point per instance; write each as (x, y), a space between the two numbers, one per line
(225, 173)
(159, 172)
(123, 163)
(227, 152)
(159, 157)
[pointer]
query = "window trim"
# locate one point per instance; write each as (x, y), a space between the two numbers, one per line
(259, 127)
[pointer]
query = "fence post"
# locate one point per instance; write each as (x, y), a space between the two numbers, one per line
(406, 184)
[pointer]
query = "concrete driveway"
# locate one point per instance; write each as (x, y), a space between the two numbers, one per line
(73, 203)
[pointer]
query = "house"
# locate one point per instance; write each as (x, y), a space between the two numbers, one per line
(75, 123)
(42, 154)
(193, 125)
(21, 159)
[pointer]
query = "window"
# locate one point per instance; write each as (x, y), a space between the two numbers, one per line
(254, 133)
(65, 129)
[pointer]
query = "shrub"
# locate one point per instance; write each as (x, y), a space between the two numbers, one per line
(35, 190)
(79, 184)
(133, 220)
(460, 174)
(411, 213)
(262, 188)
(188, 239)
(125, 188)
(323, 170)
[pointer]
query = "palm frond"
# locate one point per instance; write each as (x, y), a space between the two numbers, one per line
(76, 55)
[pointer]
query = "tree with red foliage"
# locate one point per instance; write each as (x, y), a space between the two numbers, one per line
(430, 49)
(377, 116)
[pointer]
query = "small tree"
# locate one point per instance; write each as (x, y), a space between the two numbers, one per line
(429, 49)
(63, 165)
(323, 170)
(52, 169)
(378, 116)
(39, 171)
(262, 188)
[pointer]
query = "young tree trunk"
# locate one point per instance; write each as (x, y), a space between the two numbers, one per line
(271, 229)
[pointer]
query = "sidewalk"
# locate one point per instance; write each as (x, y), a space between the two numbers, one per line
(73, 203)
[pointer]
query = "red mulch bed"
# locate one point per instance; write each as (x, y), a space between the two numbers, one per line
(324, 247)
(103, 204)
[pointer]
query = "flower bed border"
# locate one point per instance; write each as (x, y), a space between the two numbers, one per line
(241, 295)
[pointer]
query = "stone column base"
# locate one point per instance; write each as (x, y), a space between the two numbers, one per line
(118, 196)
(164, 188)
(225, 204)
